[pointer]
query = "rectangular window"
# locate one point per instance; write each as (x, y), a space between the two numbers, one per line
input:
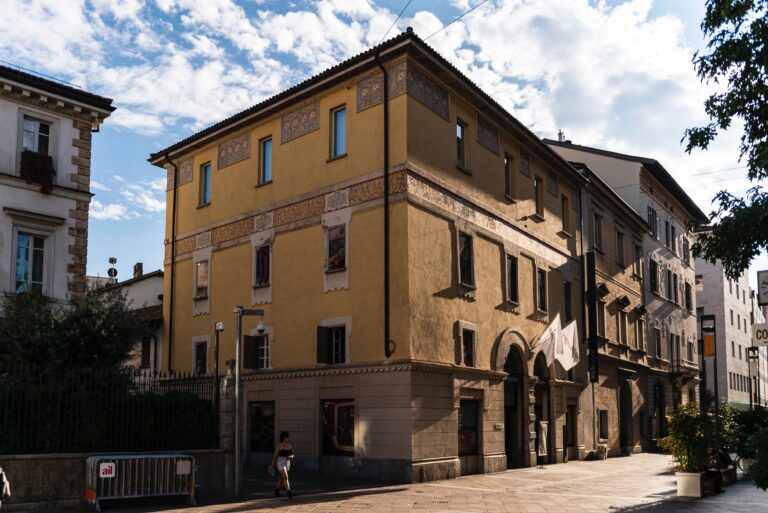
(263, 353)
(525, 163)
(673, 231)
(205, 185)
(686, 251)
(262, 266)
(201, 358)
(338, 427)
(737, 291)
(731, 317)
(640, 333)
(509, 178)
(669, 285)
(733, 349)
(699, 279)
(461, 144)
(623, 328)
(671, 347)
(601, 318)
(468, 347)
(654, 272)
(688, 297)
(469, 427)
(657, 342)
(620, 248)
(538, 195)
(690, 351)
(541, 288)
(567, 301)
(597, 231)
(261, 420)
(638, 261)
(676, 289)
(30, 262)
(466, 264)
(338, 344)
(566, 213)
(730, 286)
(667, 239)
(265, 160)
(512, 287)
(337, 249)
(653, 221)
(36, 135)
(146, 352)
(603, 421)
(339, 132)
(201, 279)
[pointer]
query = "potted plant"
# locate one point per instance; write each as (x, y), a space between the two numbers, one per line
(687, 442)
(38, 168)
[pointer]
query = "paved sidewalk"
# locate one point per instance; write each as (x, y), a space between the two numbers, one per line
(641, 483)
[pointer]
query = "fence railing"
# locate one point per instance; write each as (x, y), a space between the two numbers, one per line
(65, 412)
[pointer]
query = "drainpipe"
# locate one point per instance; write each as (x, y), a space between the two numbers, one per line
(173, 261)
(388, 347)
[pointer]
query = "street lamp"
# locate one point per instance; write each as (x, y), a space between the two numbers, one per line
(753, 356)
(239, 311)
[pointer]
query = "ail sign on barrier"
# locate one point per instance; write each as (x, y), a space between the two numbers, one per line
(760, 335)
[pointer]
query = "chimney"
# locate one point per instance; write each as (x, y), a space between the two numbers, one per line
(560, 136)
(138, 270)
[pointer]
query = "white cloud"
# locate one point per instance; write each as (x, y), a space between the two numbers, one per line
(109, 212)
(98, 186)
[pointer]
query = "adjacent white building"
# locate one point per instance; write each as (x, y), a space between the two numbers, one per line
(730, 302)
(45, 166)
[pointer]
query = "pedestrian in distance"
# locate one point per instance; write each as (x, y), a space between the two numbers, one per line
(281, 461)
(5, 486)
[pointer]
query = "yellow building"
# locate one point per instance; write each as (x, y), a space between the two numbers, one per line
(282, 207)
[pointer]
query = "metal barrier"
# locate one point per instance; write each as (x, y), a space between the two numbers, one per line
(138, 475)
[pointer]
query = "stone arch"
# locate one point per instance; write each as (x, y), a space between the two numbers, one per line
(511, 339)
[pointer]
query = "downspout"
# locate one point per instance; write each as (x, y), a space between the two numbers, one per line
(387, 349)
(583, 198)
(173, 262)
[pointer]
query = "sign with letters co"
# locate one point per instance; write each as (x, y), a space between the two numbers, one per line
(760, 335)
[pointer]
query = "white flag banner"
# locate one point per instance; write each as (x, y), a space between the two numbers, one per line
(550, 339)
(568, 347)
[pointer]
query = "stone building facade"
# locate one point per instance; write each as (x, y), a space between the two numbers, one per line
(281, 207)
(45, 164)
(668, 273)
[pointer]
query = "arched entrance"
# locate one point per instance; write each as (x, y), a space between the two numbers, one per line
(515, 419)
(541, 407)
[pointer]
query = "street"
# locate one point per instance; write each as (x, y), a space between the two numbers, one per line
(642, 483)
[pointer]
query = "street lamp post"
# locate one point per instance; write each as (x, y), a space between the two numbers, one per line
(708, 325)
(240, 312)
(753, 355)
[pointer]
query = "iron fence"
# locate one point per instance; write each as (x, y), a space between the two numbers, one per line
(65, 412)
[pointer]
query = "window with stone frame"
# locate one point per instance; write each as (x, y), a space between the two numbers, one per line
(688, 297)
(30, 262)
(265, 160)
(263, 352)
(640, 333)
(653, 271)
(36, 135)
(201, 358)
(509, 177)
(466, 261)
(603, 424)
(597, 231)
(336, 260)
(637, 260)
(262, 265)
(468, 343)
(620, 248)
(622, 328)
(600, 317)
(462, 130)
(538, 195)
(339, 132)
(653, 221)
(512, 292)
(565, 213)
(201, 279)
(542, 287)
(657, 342)
(205, 185)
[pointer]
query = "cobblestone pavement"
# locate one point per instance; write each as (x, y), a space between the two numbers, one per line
(642, 483)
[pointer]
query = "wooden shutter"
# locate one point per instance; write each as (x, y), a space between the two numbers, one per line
(323, 344)
(250, 352)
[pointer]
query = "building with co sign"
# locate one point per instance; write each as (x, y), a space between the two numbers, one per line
(45, 165)
(411, 352)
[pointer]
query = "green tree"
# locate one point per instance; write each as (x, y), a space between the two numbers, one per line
(736, 57)
(758, 445)
(96, 331)
(687, 438)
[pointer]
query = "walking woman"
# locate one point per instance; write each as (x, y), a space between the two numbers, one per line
(281, 461)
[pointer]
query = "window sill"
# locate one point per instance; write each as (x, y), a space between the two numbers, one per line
(334, 271)
(203, 205)
(513, 306)
(263, 184)
(565, 234)
(536, 217)
(510, 199)
(200, 298)
(261, 286)
(463, 169)
(597, 249)
(337, 157)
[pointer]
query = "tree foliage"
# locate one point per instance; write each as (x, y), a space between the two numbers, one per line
(687, 438)
(758, 445)
(736, 57)
(96, 331)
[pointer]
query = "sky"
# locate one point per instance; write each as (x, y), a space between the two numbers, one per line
(610, 73)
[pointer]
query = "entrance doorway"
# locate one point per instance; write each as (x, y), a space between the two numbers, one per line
(469, 436)
(513, 410)
(625, 417)
(541, 409)
(660, 411)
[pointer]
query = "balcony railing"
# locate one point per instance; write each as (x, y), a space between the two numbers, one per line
(38, 168)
